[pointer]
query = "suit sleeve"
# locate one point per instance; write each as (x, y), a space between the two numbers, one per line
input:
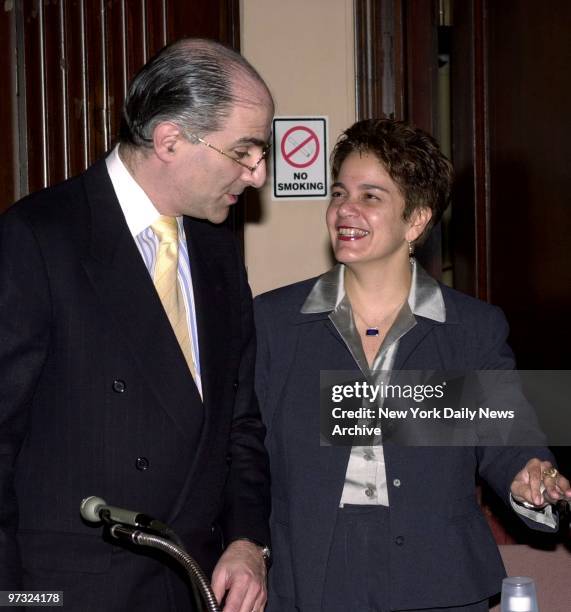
(247, 499)
(498, 465)
(262, 355)
(24, 337)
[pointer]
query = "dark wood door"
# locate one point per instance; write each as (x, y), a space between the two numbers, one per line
(512, 95)
(530, 176)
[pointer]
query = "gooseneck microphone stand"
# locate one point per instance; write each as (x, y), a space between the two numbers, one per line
(120, 524)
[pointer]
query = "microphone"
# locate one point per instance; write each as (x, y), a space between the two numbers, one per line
(94, 509)
(121, 522)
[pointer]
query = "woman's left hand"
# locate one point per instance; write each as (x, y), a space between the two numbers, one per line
(540, 484)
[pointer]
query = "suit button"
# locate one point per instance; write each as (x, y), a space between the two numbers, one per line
(235, 384)
(396, 482)
(399, 540)
(119, 386)
(142, 464)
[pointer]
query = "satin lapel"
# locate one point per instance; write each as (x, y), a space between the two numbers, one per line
(125, 288)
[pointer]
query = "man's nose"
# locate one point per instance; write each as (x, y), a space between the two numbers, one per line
(258, 177)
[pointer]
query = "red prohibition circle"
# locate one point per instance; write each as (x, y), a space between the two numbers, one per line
(287, 155)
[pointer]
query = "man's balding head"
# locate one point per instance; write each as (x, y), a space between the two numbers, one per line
(193, 83)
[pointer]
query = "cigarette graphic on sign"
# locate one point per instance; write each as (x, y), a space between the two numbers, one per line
(300, 160)
(300, 146)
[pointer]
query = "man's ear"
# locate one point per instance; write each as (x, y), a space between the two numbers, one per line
(418, 222)
(166, 138)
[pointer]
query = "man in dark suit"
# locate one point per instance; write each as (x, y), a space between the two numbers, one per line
(107, 390)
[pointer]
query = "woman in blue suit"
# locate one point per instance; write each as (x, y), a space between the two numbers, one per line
(381, 526)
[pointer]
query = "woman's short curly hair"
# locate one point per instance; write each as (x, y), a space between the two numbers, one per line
(411, 157)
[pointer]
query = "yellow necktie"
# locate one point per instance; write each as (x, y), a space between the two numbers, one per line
(167, 285)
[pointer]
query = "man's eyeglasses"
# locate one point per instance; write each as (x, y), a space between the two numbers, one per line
(252, 169)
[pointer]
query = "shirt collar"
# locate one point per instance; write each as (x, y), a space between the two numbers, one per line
(138, 210)
(424, 299)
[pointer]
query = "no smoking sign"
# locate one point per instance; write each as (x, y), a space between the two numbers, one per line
(300, 157)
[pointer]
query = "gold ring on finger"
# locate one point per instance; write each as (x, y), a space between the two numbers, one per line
(550, 473)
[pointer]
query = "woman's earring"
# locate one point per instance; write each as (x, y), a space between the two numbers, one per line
(410, 249)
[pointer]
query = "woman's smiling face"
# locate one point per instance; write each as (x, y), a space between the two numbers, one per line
(365, 214)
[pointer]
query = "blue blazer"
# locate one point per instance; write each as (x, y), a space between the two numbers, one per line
(436, 526)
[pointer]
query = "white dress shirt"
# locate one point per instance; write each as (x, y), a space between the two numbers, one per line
(140, 214)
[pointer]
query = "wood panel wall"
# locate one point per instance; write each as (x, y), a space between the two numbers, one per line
(9, 137)
(529, 100)
(67, 64)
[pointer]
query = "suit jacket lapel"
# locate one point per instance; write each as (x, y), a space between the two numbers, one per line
(411, 342)
(123, 284)
(213, 309)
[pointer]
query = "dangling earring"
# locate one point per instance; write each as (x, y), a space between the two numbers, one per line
(411, 249)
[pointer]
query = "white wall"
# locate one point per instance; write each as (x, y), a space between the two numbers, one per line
(304, 50)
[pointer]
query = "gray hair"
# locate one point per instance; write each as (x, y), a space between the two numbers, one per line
(191, 83)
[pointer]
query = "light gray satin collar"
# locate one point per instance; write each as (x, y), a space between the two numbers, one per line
(424, 299)
(328, 295)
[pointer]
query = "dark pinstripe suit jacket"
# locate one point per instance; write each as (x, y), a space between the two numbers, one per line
(96, 399)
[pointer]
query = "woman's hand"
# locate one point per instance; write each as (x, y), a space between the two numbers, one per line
(540, 484)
